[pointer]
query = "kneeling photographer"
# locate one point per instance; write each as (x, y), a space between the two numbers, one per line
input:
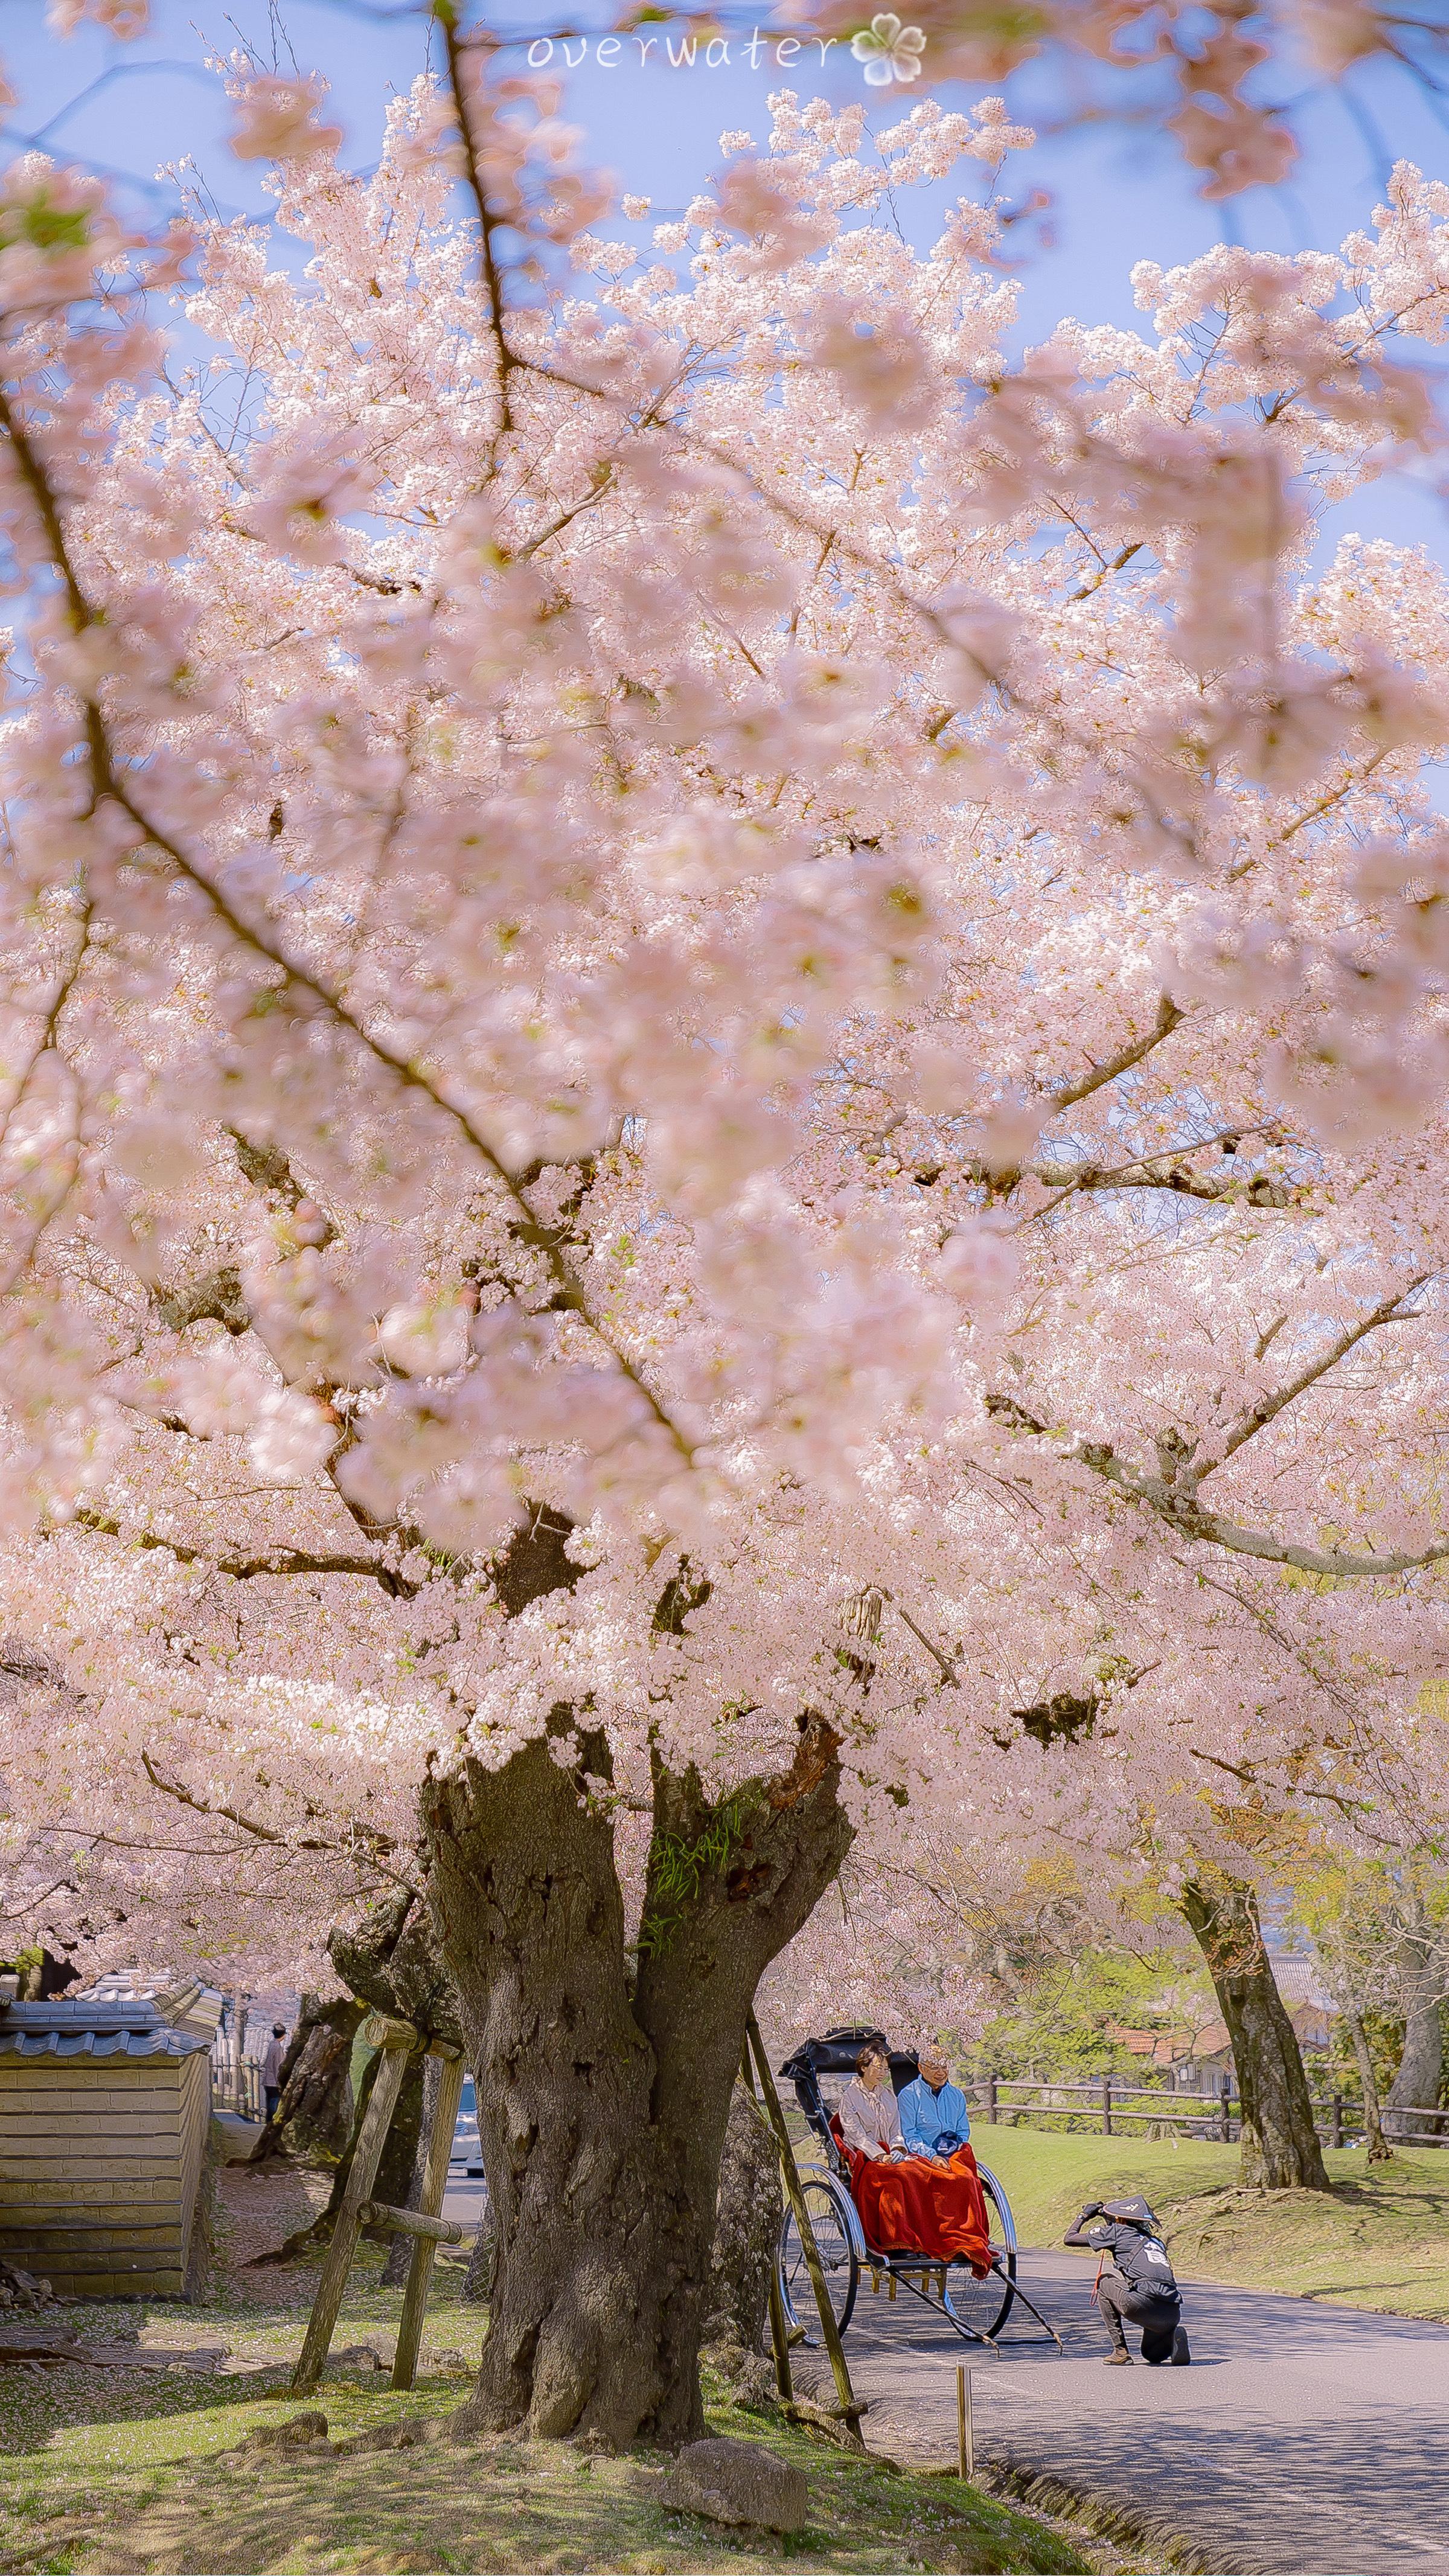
(1135, 2284)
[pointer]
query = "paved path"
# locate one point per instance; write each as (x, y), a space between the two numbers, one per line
(1305, 2440)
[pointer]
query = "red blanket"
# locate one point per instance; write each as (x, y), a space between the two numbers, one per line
(920, 2208)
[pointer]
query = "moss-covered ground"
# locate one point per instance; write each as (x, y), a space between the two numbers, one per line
(1378, 2239)
(142, 2473)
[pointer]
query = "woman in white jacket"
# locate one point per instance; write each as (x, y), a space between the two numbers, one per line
(870, 2121)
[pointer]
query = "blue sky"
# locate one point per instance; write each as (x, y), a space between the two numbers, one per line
(1119, 194)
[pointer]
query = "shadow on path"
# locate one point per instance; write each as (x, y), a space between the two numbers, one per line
(1305, 2440)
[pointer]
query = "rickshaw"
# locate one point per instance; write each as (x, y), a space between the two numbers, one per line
(976, 2309)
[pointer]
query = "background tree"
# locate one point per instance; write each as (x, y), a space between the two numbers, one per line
(1377, 1928)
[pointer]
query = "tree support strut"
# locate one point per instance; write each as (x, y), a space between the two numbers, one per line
(397, 2040)
(851, 2407)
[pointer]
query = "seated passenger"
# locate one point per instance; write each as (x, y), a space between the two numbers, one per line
(870, 2123)
(934, 2117)
(930, 2205)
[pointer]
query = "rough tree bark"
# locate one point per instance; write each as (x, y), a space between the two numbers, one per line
(604, 2073)
(1420, 2070)
(603, 2092)
(1280, 2149)
(747, 2215)
(1379, 2150)
(313, 2118)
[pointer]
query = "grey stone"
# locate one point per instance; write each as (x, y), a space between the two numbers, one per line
(24, 2290)
(748, 2378)
(737, 2482)
(299, 2432)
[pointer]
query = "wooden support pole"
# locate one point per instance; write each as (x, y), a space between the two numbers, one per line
(850, 2407)
(396, 2040)
(410, 2222)
(965, 2422)
(425, 2226)
(779, 2336)
(779, 2340)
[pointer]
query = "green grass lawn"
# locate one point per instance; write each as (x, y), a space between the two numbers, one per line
(1379, 2239)
(115, 2473)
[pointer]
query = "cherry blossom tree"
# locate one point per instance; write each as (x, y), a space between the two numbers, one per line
(723, 1088)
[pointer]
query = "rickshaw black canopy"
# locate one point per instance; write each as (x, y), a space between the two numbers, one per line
(836, 2054)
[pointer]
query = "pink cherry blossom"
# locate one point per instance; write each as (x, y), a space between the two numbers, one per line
(693, 903)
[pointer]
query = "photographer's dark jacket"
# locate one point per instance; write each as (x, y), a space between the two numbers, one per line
(1142, 2259)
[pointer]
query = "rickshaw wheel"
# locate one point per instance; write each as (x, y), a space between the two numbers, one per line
(836, 2230)
(986, 2305)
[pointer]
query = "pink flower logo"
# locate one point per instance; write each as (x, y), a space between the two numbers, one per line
(888, 50)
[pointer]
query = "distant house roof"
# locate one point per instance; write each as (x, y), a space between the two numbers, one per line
(1172, 2047)
(1164, 2047)
(90, 2027)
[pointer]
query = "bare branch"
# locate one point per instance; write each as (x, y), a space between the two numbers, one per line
(234, 1815)
(948, 1670)
(1168, 1018)
(1163, 1496)
(274, 1560)
(1260, 1189)
(1257, 1416)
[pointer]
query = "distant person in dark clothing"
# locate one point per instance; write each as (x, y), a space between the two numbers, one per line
(272, 2068)
(1135, 2285)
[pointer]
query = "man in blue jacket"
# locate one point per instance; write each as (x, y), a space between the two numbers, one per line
(934, 2117)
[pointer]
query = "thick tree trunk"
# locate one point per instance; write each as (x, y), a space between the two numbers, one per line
(603, 2095)
(747, 2215)
(1421, 2068)
(390, 1962)
(1379, 2150)
(1280, 2149)
(313, 2118)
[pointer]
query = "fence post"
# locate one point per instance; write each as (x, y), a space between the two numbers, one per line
(1336, 2138)
(991, 2099)
(965, 2424)
(1106, 2106)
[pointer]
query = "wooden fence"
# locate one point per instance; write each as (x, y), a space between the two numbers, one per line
(1118, 2109)
(236, 2079)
